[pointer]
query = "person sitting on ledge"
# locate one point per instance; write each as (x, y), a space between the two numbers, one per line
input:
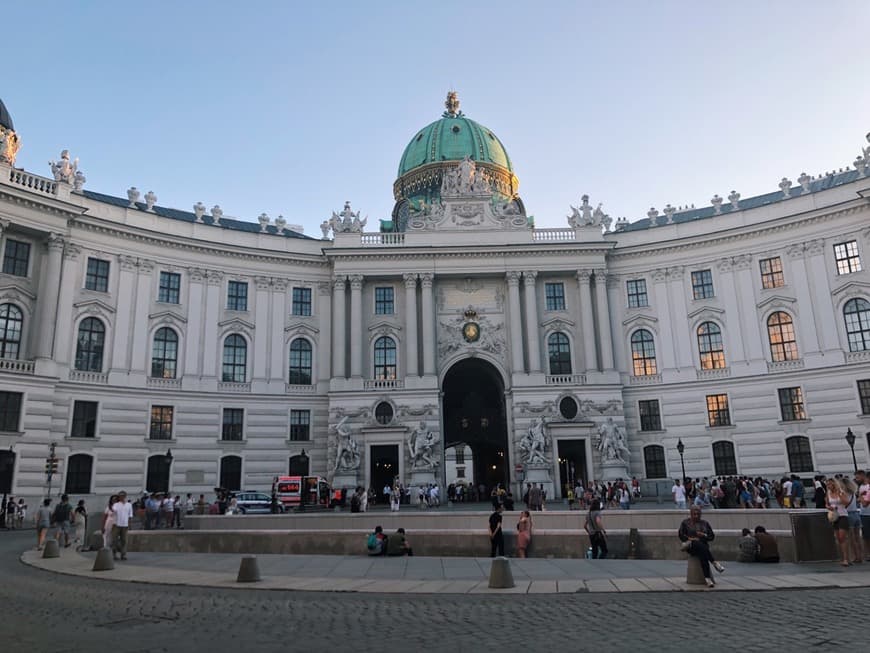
(768, 551)
(748, 547)
(377, 542)
(695, 534)
(398, 545)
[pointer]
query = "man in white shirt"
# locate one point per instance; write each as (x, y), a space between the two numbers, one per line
(679, 494)
(123, 514)
(863, 481)
(786, 494)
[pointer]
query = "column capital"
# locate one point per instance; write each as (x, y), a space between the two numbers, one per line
(742, 262)
(659, 275)
(675, 273)
(583, 276)
(356, 281)
(614, 280)
(262, 283)
(725, 265)
(194, 274)
(795, 251)
(427, 279)
(339, 282)
(323, 288)
(72, 251)
(529, 277)
(4, 225)
(145, 266)
(55, 242)
(280, 285)
(601, 275)
(214, 277)
(815, 247)
(513, 278)
(410, 279)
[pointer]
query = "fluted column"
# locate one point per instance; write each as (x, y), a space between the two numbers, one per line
(666, 359)
(338, 327)
(533, 345)
(195, 336)
(69, 275)
(821, 293)
(46, 305)
(605, 341)
(809, 335)
(140, 320)
(587, 323)
(261, 334)
(212, 359)
(411, 352)
(278, 355)
(324, 357)
(513, 281)
(427, 280)
(356, 321)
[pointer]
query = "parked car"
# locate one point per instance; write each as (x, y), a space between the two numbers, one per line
(254, 503)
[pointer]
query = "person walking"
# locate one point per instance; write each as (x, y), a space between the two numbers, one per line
(678, 492)
(696, 534)
(864, 501)
(80, 523)
(839, 517)
(594, 527)
(496, 537)
(21, 514)
(524, 533)
(123, 513)
(43, 523)
(853, 513)
(108, 521)
(61, 518)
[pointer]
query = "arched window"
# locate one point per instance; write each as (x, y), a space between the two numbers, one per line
(559, 349)
(11, 321)
(710, 346)
(164, 354)
(300, 362)
(724, 461)
(385, 358)
(654, 461)
(643, 353)
(857, 315)
(78, 474)
(780, 333)
(89, 348)
(157, 476)
(7, 471)
(800, 457)
(231, 473)
(298, 465)
(235, 368)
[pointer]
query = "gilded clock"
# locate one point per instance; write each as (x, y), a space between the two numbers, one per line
(471, 331)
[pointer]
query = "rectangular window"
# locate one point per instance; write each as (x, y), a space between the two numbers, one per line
(637, 296)
(460, 472)
(170, 286)
(847, 257)
(864, 394)
(717, 410)
(771, 272)
(16, 258)
(84, 424)
(237, 296)
(791, 404)
(555, 294)
(97, 277)
(702, 284)
(232, 426)
(650, 415)
(10, 411)
(384, 301)
(161, 422)
(300, 424)
(302, 301)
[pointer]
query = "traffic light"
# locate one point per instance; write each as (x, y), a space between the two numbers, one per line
(51, 465)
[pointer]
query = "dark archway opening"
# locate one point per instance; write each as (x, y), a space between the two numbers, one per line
(572, 464)
(474, 415)
(384, 466)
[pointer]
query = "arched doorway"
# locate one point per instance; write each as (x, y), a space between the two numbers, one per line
(474, 415)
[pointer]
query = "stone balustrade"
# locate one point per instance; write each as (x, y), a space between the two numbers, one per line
(88, 377)
(379, 239)
(553, 235)
(298, 389)
(646, 379)
(166, 384)
(33, 182)
(227, 386)
(565, 379)
(383, 384)
(16, 366)
(786, 366)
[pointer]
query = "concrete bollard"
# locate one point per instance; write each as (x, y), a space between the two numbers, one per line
(104, 560)
(51, 549)
(694, 574)
(95, 541)
(249, 570)
(500, 576)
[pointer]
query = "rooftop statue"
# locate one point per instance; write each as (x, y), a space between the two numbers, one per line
(347, 221)
(452, 104)
(585, 216)
(64, 170)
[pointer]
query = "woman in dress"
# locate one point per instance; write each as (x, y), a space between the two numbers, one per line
(595, 527)
(837, 502)
(524, 533)
(853, 512)
(109, 521)
(80, 521)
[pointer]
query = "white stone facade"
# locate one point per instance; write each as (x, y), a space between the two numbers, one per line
(80, 262)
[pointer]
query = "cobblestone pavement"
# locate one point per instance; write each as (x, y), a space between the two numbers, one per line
(43, 611)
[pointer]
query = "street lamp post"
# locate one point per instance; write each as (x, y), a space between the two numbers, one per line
(850, 440)
(168, 458)
(680, 449)
(303, 485)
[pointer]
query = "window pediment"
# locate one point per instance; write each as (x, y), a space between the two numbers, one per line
(707, 312)
(12, 293)
(237, 324)
(557, 324)
(383, 329)
(852, 289)
(168, 316)
(300, 328)
(641, 321)
(94, 305)
(777, 301)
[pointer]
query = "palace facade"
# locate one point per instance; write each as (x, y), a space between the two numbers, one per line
(155, 348)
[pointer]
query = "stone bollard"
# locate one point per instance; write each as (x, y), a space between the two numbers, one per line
(95, 542)
(694, 574)
(51, 549)
(500, 576)
(104, 560)
(249, 570)
(632, 544)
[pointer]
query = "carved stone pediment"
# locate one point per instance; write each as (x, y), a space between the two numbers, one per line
(852, 289)
(641, 320)
(168, 316)
(299, 328)
(558, 324)
(238, 325)
(777, 301)
(469, 212)
(94, 305)
(16, 294)
(710, 312)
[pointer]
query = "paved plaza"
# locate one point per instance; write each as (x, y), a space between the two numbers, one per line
(50, 611)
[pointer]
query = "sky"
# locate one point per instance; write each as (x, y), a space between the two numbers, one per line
(292, 108)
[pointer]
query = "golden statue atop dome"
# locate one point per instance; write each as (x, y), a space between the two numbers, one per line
(452, 104)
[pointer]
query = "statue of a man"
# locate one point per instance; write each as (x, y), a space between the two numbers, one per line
(466, 171)
(421, 446)
(534, 443)
(347, 456)
(612, 443)
(63, 170)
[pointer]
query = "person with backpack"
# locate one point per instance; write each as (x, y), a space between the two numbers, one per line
(61, 518)
(43, 523)
(376, 544)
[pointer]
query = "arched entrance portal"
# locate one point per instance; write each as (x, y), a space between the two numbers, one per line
(474, 415)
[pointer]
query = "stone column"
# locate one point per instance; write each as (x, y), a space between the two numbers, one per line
(533, 344)
(278, 358)
(616, 302)
(411, 350)
(821, 291)
(587, 324)
(605, 341)
(69, 275)
(324, 350)
(46, 304)
(734, 344)
(683, 351)
(427, 280)
(261, 334)
(356, 325)
(140, 320)
(513, 281)
(123, 336)
(664, 341)
(212, 366)
(339, 325)
(809, 335)
(751, 328)
(194, 338)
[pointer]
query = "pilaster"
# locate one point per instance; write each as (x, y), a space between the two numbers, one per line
(339, 325)
(513, 281)
(427, 281)
(49, 289)
(605, 340)
(587, 323)
(411, 349)
(357, 326)
(533, 345)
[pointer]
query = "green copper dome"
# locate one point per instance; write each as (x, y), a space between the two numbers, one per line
(452, 138)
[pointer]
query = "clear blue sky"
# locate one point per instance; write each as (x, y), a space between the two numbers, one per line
(292, 108)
